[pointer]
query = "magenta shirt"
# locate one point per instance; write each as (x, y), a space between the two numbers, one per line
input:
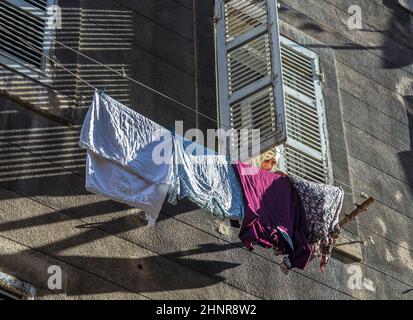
(274, 216)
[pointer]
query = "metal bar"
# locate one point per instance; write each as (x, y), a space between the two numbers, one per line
(360, 208)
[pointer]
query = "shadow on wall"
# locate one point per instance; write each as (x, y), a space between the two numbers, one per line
(314, 28)
(44, 162)
(39, 158)
(96, 33)
(399, 30)
(47, 161)
(406, 157)
(401, 27)
(44, 153)
(151, 273)
(99, 34)
(93, 222)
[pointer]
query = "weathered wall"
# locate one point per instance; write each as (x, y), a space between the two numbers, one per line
(46, 216)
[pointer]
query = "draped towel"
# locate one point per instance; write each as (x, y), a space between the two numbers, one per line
(120, 146)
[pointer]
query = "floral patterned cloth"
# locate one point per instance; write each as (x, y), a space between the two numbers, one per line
(322, 204)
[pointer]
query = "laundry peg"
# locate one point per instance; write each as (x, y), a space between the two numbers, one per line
(364, 195)
(360, 208)
(102, 90)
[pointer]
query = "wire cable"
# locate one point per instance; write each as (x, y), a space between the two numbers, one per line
(362, 194)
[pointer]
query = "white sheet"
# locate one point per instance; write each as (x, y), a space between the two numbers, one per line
(120, 163)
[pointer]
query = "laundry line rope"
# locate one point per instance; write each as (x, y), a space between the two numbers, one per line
(362, 194)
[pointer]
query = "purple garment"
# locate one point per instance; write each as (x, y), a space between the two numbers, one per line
(274, 215)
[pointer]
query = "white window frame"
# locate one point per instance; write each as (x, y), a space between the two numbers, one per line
(322, 166)
(224, 98)
(320, 109)
(44, 74)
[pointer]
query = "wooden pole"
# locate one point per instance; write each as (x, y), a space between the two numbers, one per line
(360, 208)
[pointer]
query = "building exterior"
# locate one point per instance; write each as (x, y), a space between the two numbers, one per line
(344, 116)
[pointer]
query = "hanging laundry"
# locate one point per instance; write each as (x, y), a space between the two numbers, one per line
(274, 216)
(322, 204)
(120, 147)
(207, 179)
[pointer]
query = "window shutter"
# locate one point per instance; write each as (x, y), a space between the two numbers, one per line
(305, 153)
(24, 20)
(41, 4)
(249, 69)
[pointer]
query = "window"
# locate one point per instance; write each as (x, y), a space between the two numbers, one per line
(270, 83)
(249, 70)
(24, 38)
(305, 153)
(12, 288)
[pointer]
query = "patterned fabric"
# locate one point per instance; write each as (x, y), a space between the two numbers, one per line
(322, 204)
(206, 179)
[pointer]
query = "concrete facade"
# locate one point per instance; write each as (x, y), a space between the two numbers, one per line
(48, 218)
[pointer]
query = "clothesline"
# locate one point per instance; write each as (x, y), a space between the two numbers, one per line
(295, 218)
(362, 193)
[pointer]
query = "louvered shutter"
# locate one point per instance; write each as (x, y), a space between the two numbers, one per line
(249, 69)
(41, 4)
(25, 40)
(305, 153)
